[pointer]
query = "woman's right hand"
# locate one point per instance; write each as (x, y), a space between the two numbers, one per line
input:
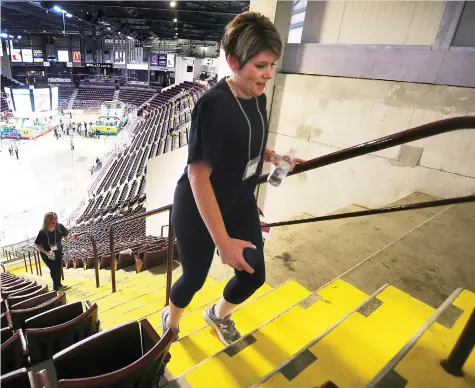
(231, 253)
(50, 254)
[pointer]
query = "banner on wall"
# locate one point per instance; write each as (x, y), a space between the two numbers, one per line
(63, 56)
(170, 60)
(100, 65)
(37, 55)
(27, 55)
(16, 55)
(76, 56)
(162, 60)
(154, 59)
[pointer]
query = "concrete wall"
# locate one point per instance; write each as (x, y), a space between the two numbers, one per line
(181, 74)
(6, 70)
(465, 35)
(197, 68)
(163, 173)
(372, 22)
(319, 115)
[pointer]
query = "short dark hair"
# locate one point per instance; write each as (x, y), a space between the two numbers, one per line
(248, 34)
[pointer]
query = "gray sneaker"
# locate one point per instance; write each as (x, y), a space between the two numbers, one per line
(165, 314)
(225, 328)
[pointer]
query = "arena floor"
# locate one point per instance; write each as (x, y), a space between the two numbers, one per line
(48, 176)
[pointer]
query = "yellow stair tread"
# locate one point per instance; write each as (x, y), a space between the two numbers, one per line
(204, 343)
(278, 340)
(155, 305)
(354, 352)
(142, 303)
(421, 365)
(193, 320)
(124, 295)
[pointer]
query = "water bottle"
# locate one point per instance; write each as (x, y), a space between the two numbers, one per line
(281, 171)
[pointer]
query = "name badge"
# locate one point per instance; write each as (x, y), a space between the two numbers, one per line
(251, 168)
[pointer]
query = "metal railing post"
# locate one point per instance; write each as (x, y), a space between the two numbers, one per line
(112, 258)
(171, 245)
(94, 251)
(26, 266)
(29, 258)
(133, 218)
(34, 258)
(39, 261)
(462, 349)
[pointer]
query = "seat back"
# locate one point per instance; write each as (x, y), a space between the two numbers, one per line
(56, 316)
(5, 334)
(16, 379)
(33, 301)
(18, 317)
(44, 342)
(11, 282)
(14, 299)
(140, 373)
(16, 286)
(119, 370)
(26, 287)
(12, 351)
(4, 319)
(102, 352)
(27, 290)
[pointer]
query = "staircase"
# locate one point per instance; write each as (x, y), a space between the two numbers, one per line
(378, 328)
(73, 98)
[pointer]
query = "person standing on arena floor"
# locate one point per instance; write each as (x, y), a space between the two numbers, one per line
(214, 204)
(16, 152)
(48, 243)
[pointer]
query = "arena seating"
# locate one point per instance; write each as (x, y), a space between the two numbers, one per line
(91, 99)
(4, 82)
(135, 96)
(64, 95)
(121, 192)
(68, 335)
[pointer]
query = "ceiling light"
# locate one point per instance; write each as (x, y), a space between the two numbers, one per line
(57, 9)
(119, 32)
(11, 36)
(172, 3)
(109, 28)
(175, 20)
(176, 28)
(18, 37)
(4, 35)
(69, 15)
(44, 31)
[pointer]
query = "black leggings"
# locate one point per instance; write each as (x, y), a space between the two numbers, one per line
(196, 249)
(54, 268)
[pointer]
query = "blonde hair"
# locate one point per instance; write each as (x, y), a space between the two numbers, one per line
(50, 216)
(248, 34)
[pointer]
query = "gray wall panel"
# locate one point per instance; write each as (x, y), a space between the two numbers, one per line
(398, 63)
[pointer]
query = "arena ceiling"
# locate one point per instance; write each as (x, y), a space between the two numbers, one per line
(142, 20)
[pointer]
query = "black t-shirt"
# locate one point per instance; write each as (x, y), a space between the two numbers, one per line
(46, 239)
(219, 135)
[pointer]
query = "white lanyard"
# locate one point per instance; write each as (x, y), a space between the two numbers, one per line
(249, 124)
(47, 236)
